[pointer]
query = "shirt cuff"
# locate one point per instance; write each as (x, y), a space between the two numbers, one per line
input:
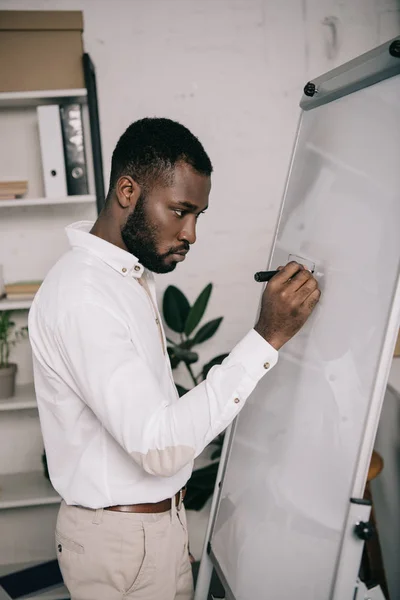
(255, 354)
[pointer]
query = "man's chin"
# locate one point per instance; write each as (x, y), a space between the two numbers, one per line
(163, 268)
(166, 269)
(158, 264)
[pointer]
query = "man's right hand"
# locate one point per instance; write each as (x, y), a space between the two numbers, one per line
(287, 302)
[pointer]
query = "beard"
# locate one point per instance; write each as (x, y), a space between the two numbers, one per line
(140, 237)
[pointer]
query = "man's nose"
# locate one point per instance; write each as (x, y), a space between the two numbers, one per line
(188, 232)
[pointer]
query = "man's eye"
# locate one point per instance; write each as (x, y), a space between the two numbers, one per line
(179, 213)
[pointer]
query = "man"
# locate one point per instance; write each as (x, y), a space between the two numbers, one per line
(120, 443)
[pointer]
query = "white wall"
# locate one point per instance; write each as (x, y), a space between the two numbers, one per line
(232, 71)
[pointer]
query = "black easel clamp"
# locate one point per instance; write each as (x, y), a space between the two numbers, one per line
(362, 501)
(310, 89)
(364, 530)
(394, 49)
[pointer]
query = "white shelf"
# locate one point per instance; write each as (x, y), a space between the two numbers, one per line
(58, 592)
(15, 304)
(46, 201)
(19, 490)
(24, 399)
(36, 97)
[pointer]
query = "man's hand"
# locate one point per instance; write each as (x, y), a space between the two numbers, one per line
(288, 300)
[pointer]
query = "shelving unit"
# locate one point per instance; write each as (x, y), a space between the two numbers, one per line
(24, 399)
(19, 490)
(15, 304)
(39, 97)
(58, 592)
(47, 201)
(29, 245)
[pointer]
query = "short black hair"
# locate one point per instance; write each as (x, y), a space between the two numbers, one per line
(149, 150)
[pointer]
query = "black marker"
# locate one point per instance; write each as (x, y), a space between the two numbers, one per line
(264, 275)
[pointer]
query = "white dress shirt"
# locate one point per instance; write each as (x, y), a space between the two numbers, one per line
(114, 428)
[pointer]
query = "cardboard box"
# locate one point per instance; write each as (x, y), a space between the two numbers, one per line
(40, 50)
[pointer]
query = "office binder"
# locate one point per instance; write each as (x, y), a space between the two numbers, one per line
(51, 145)
(74, 149)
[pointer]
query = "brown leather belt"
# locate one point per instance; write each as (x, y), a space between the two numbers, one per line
(151, 507)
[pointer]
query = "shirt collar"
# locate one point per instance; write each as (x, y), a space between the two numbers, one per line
(79, 236)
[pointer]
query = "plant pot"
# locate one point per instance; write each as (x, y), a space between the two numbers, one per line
(7, 381)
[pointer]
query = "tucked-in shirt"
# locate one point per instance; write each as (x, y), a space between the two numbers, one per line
(114, 428)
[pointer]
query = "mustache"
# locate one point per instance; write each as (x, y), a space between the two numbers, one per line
(184, 248)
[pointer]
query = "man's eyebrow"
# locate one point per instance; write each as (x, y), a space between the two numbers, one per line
(190, 206)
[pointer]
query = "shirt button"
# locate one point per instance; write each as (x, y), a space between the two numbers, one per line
(157, 321)
(59, 548)
(266, 365)
(137, 268)
(236, 400)
(124, 270)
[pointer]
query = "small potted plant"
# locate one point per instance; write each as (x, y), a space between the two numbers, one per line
(9, 336)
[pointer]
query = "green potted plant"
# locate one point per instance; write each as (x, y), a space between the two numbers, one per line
(184, 319)
(9, 336)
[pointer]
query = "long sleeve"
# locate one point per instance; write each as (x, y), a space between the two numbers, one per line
(162, 434)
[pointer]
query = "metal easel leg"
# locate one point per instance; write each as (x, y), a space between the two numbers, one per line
(206, 566)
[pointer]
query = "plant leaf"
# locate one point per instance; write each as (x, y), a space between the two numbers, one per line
(204, 476)
(198, 309)
(175, 308)
(8, 337)
(200, 487)
(186, 355)
(216, 454)
(215, 361)
(181, 390)
(187, 344)
(207, 331)
(174, 360)
(196, 499)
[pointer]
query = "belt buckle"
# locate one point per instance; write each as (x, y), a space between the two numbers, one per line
(180, 500)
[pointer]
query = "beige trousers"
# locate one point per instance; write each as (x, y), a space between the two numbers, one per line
(107, 555)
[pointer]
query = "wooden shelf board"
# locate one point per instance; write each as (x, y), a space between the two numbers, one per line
(37, 97)
(24, 399)
(57, 592)
(47, 201)
(18, 490)
(15, 304)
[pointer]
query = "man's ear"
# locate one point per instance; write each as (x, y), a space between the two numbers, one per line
(127, 192)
